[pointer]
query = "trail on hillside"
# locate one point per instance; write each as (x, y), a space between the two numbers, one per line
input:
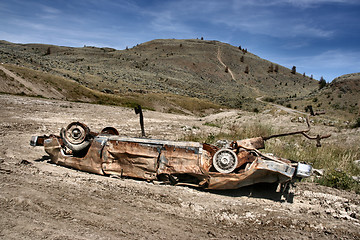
(288, 110)
(26, 83)
(255, 91)
(222, 63)
(30, 87)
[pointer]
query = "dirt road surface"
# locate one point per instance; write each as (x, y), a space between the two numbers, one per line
(39, 200)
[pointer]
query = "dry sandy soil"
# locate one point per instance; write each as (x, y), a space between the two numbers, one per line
(39, 200)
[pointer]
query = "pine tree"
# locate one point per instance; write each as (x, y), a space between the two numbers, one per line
(322, 83)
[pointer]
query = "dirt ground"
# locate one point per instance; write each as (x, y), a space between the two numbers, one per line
(39, 200)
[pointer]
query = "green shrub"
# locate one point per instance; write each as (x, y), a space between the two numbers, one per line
(269, 99)
(210, 124)
(340, 180)
(357, 123)
(210, 138)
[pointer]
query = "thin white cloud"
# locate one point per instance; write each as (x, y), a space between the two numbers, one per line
(315, 3)
(167, 22)
(255, 17)
(29, 25)
(296, 3)
(338, 59)
(303, 29)
(272, 26)
(329, 64)
(50, 10)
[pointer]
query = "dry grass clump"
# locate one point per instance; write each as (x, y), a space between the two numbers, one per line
(329, 156)
(233, 132)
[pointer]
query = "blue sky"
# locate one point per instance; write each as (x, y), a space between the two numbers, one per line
(319, 37)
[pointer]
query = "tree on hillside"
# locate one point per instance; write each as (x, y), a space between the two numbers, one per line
(246, 69)
(271, 68)
(48, 51)
(322, 83)
(276, 68)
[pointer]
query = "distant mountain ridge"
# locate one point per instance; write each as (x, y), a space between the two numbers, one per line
(210, 70)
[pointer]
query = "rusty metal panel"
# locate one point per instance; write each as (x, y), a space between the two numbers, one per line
(257, 143)
(90, 163)
(132, 159)
(244, 157)
(180, 160)
(144, 158)
(53, 148)
(206, 161)
(156, 141)
(259, 171)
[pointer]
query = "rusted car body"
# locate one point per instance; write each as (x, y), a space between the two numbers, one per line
(188, 163)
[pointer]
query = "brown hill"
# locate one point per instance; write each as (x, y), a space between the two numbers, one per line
(25, 81)
(343, 93)
(339, 99)
(208, 70)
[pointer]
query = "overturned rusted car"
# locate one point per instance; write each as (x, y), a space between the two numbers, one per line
(238, 164)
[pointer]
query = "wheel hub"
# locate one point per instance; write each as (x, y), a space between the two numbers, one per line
(225, 161)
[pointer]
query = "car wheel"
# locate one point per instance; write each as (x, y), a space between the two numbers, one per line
(225, 161)
(75, 136)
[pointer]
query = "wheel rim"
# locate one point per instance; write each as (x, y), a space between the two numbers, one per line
(76, 133)
(225, 161)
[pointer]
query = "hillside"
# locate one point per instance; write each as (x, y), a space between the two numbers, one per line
(344, 93)
(340, 98)
(196, 68)
(24, 81)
